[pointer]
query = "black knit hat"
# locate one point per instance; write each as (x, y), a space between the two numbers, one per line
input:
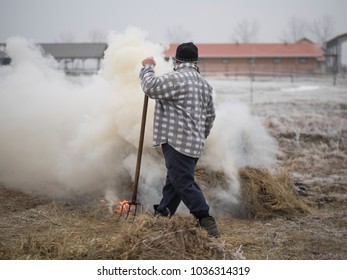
(187, 52)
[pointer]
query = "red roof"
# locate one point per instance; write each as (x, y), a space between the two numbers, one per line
(303, 49)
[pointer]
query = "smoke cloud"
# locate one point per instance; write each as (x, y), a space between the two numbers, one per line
(63, 138)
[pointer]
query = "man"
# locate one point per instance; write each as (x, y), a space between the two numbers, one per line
(184, 115)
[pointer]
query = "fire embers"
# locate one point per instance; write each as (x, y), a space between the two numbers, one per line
(123, 208)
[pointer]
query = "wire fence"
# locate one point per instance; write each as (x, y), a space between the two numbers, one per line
(317, 78)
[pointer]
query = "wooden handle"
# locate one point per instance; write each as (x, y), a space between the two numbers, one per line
(140, 149)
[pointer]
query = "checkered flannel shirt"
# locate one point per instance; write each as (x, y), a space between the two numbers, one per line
(184, 109)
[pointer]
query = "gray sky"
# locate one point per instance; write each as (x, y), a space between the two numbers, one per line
(205, 20)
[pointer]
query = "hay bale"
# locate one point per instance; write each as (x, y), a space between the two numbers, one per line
(266, 195)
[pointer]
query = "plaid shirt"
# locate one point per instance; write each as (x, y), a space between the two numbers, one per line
(184, 109)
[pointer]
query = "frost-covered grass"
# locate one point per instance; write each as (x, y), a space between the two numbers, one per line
(306, 106)
(308, 117)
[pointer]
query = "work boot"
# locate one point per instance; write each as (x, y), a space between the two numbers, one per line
(209, 224)
(161, 213)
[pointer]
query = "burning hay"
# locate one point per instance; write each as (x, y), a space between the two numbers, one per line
(265, 195)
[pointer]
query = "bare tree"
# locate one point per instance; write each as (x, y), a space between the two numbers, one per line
(97, 35)
(245, 31)
(322, 29)
(297, 29)
(66, 37)
(177, 34)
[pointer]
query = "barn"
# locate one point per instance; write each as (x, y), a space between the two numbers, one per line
(302, 57)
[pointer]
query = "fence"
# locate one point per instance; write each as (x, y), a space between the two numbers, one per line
(329, 78)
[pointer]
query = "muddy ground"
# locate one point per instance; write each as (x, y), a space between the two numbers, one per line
(312, 149)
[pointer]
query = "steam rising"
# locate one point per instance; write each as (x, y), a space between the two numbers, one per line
(61, 138)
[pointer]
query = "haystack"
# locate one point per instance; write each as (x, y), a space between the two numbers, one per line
(266, 195)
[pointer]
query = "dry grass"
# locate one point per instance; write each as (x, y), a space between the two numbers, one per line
(279, 226)
(93, 234)
(266, 195)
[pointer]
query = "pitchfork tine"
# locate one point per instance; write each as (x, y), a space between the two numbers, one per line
(121, 212)
(131, 208)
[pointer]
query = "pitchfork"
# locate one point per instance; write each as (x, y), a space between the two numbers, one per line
(133, 205)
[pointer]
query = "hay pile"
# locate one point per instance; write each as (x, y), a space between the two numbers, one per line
(265, 195)
(175, 238)
(54, 230)
(145, 238)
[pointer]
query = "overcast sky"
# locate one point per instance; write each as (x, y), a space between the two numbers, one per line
(205, 20)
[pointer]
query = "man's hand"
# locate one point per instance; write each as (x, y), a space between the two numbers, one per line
(148, 61)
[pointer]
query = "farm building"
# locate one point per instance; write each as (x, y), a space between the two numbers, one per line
(77, 58)
(73, 58)
(333, 54)
(302, 57)
(4, 58)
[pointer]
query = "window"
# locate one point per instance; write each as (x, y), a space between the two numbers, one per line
(277, 60)
(302, 60)
(251, 60)
(225, 60)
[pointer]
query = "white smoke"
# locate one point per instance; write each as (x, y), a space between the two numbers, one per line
(61, 138)
(238, 140)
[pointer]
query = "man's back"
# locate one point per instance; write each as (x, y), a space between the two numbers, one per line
(184, 111)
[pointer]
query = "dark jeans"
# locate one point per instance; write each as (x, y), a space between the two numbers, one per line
(180, 184)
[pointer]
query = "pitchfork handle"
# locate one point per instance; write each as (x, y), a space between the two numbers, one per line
(139, 151)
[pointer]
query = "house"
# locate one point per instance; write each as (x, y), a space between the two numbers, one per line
(302, 57)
